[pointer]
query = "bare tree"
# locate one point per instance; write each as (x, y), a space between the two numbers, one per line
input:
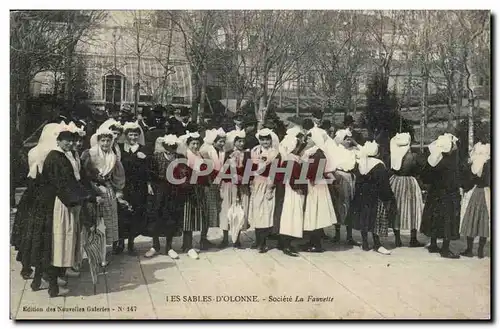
(473, 24)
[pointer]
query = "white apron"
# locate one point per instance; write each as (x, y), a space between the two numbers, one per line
(319, 212)
(65, 234)
(261, 210)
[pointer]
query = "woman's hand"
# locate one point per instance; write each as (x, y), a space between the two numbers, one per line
(102, 189)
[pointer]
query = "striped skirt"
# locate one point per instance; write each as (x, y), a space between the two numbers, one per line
(382, 219)
(108, 211)
(213, 204)
(194, 209)
(409, 202)
(476, 221)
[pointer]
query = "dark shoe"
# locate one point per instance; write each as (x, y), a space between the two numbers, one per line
(434, 249)
(352, 242)
(254, 246)
(27, 274)
(237, 245)
(449, 254)
(58, 292)
(223, 245)
(205, 244)
(118, 249)
(399, 243)
(132, 252)
(467, 253)
(263, 249)
(480, 253)
(365, 246)
(415, 244)
(289, 252)
(39, 285)
(335, 239)
(315, 249)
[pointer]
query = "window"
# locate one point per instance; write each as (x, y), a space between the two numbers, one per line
(113, 88)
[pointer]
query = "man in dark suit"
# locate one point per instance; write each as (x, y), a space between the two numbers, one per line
(180, 124)
(250, 130)
(357, 137)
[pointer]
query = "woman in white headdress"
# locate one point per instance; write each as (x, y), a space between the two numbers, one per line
(232, 192)
(441, 215)
(262, 201)
(409, 203)
(195, 218)
(117, 130)
(373, 203)
(292, 216)
(213, 151)
(104, 170)
(168, 206)
(54, 244)
(319, 210)
(137, 185)
(24, 228)
(477, 215)
(342, 188)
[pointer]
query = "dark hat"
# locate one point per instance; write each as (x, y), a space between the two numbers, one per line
(317, 114)
(348, 119)
(184, 112)
(248, 121)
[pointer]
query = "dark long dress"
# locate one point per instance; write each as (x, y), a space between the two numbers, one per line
(57, 180)
(372, 206)
(441, 216)
(25, 211)
(137, 176)
(167, 209)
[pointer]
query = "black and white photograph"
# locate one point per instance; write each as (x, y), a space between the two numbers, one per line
(250, 164)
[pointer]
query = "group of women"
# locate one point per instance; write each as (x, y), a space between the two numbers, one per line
(301, 185)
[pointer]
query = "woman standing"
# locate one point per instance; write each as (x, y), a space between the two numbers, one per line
(262, 202)
(137, 185)
(212, 151)
(441, 215)
(232, 191)
(26, 231)
(406, 190)
(373, 201)
(169, 197)
(107, 176)
(477, 216)
(342, 188)
(319, 211)
(292, 216)
(53, 247)
(195, 204)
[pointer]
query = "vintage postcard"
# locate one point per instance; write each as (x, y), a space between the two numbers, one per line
(250, 164)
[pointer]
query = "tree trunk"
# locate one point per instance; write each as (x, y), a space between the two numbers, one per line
(263, 100)
(165, 79)
(459, 95)
(68, 63)
(471, 122)
(451, 115)
(203, 94)
(195, 93)
(297, 107)
(423, 109)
